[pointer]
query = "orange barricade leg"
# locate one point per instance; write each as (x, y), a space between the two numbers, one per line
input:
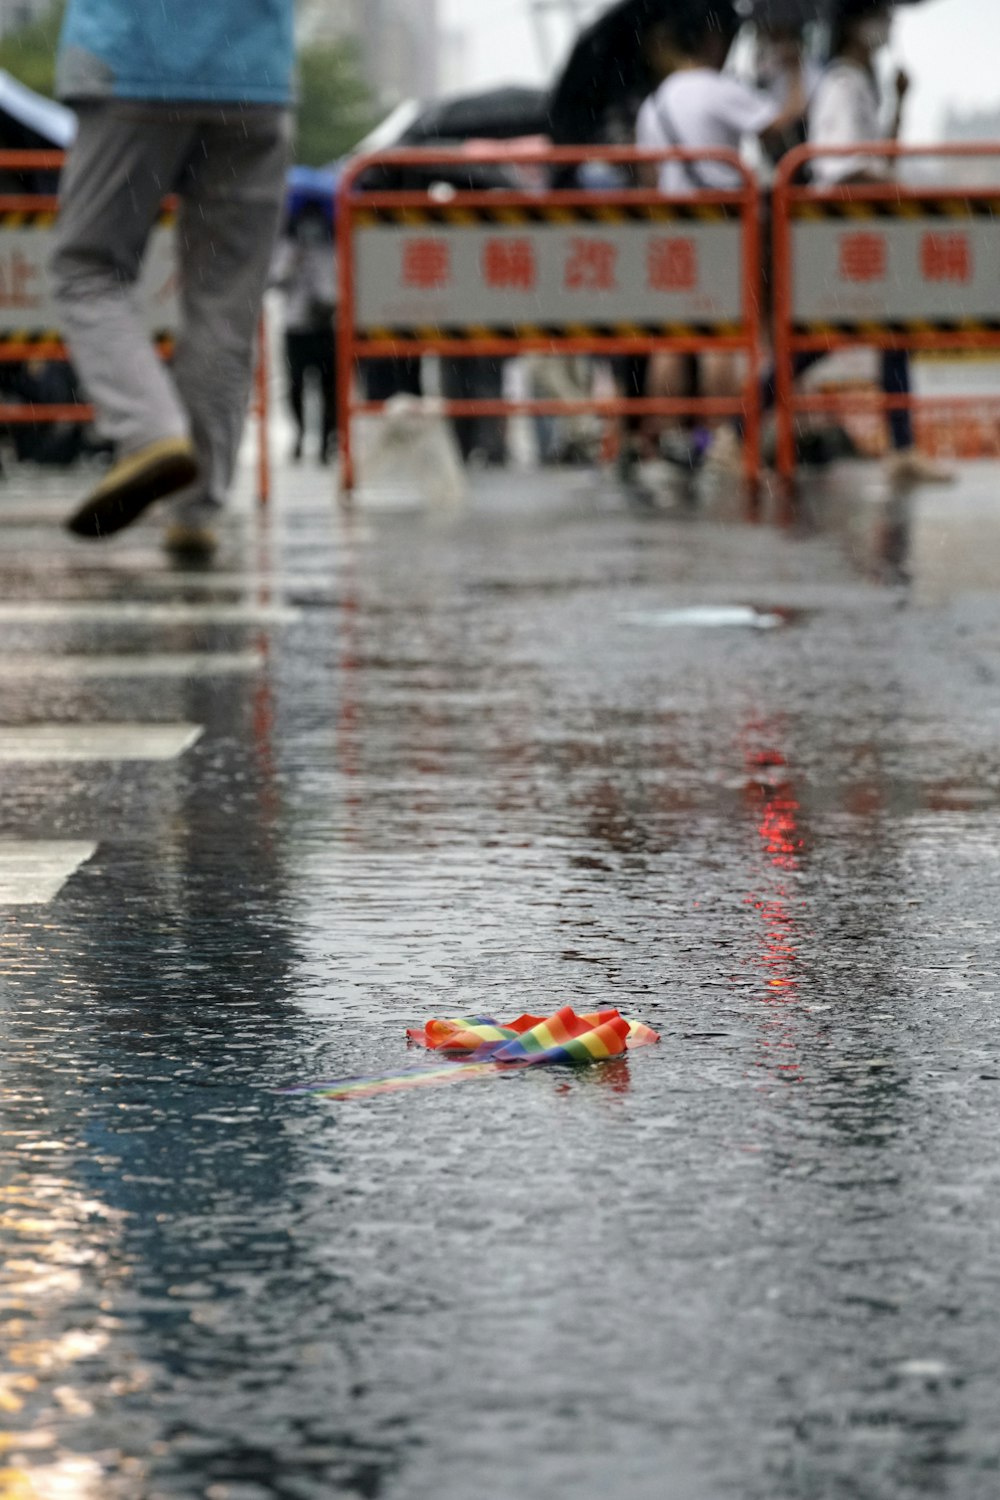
(346, 367)
(263, 412)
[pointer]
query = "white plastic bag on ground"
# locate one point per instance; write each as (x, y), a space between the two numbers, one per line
(408, 457)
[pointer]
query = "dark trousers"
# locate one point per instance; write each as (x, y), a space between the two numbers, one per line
(476, 379)
(385, 378)
(895, 381)
(632, 371)
(312, 350)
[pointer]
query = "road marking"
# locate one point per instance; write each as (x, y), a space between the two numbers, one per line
(32, 612)
(272, 583)
(182, 664)
(33, 872)
(51, 744)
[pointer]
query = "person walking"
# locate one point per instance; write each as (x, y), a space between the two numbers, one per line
(305, 271)
(845, 110)
(192, 99)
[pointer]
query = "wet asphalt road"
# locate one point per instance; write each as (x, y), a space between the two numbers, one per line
(451, 765)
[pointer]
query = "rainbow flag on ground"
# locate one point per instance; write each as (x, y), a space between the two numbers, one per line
(482, 1046)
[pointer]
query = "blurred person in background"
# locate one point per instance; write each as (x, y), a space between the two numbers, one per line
(846, 110)
(699, 107)
(305, 272)
(182, 98)
(781, 56)
(636, 440)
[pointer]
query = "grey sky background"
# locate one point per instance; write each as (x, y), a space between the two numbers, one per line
(951, 48)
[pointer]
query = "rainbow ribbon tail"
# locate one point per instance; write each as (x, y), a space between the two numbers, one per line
(392, 1083)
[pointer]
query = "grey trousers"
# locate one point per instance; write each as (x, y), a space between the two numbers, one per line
(227, 164)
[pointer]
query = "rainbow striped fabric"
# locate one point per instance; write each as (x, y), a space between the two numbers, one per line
(482, 1047)
(559, 1039)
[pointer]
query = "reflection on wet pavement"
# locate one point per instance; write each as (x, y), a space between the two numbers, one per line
(416, 767)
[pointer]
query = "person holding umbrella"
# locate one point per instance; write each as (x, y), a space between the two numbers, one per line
(305, 271)
(845, 110)
(700, 107)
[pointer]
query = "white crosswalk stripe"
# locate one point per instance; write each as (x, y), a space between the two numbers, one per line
(26, 668)
(98, 612)
(132, 594)
(54, 744)
(33, 872)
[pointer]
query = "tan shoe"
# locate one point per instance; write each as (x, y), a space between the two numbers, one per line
(910, 467)
(190, 541)
(133, 483)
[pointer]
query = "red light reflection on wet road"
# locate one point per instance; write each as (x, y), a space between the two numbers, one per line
(770, 794)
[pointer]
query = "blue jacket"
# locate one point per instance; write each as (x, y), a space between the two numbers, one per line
(219, 51)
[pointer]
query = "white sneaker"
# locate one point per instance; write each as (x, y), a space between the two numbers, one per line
(726, 453)
(910, 467)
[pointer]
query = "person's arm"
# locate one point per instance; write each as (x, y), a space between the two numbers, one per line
(749, 112)
(902, 83)
(793, 111)
(647, 136)
(282, 272)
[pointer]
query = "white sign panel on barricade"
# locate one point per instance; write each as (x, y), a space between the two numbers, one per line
(885, 271)
(27, 306)
(552, 275)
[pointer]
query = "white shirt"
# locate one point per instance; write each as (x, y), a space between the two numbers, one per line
(845, 111)
(307, 275)
(700, 108)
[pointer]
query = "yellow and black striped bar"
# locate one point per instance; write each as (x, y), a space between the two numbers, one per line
(529, 332)
(45, 217)
(26, 340)
(365, 216)
(934, 207)
(910, 328)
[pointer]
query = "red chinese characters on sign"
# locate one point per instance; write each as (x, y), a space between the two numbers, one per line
(510, 265)
(946, 257)
(672, 265)
(426, 264)
(592, 266)
(864, 257)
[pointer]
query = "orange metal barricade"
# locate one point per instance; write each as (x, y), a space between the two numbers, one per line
(505, 273)
(26, 332)
(888, 265)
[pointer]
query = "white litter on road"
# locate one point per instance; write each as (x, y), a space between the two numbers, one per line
(708, 617)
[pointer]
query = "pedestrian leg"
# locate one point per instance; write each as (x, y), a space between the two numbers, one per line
(327, 363)
(906, 466)
(296, 360)
(896, 382)
(231, 196)
(123, 164)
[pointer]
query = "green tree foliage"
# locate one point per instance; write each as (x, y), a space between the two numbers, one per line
(336, 106)
(30, 52)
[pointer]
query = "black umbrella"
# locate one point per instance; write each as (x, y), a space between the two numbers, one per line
(608, 72)
(418, 177)
(786, 13)
(802, 12)
(606, 69)
(493, 114)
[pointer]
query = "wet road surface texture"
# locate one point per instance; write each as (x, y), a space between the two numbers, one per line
(256, 822)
